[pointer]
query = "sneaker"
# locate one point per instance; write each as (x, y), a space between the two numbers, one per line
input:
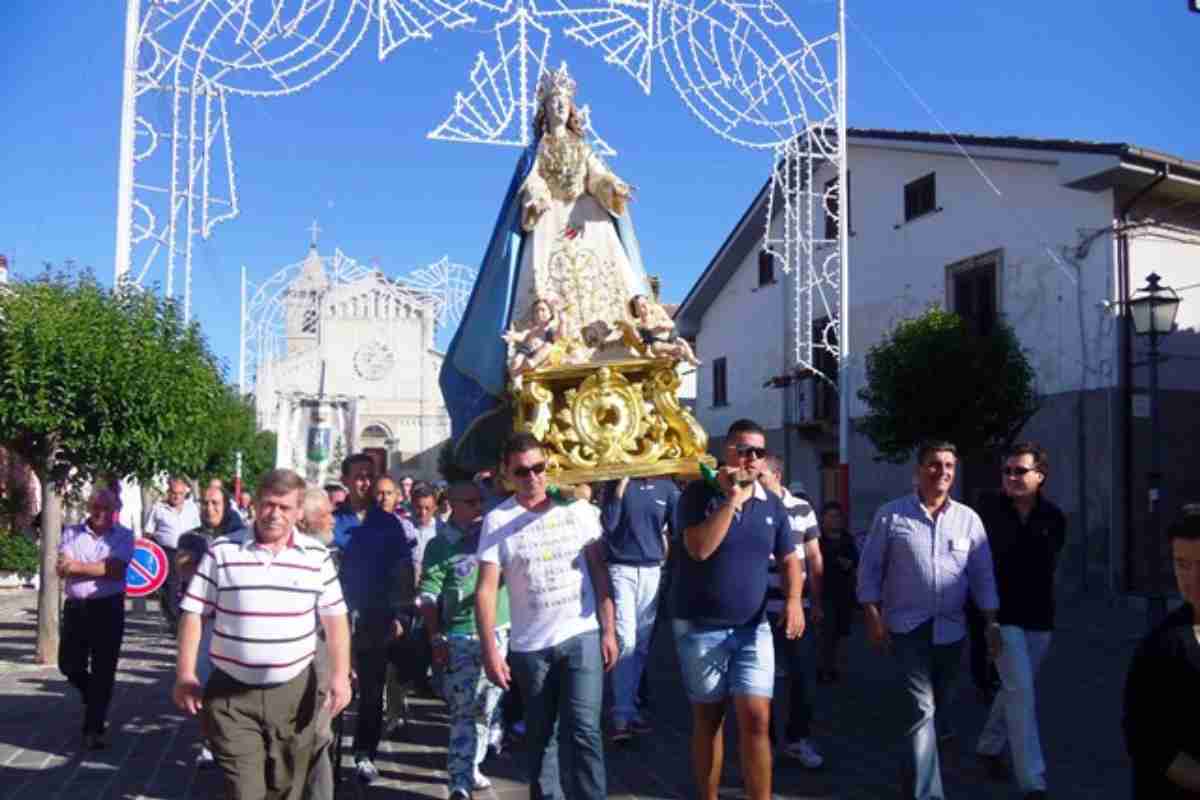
(641, 725)
(619, 732)
(366, 770)
(204, 759)
(495, 741)
(803, 751)
(393, 728)
(479, 782)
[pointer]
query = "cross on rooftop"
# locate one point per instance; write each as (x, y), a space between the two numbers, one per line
(314, 229)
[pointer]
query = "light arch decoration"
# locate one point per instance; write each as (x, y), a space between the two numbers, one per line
(742, 67)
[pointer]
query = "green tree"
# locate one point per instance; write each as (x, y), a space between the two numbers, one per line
(97, 382)
(234, 429)
(931, 378)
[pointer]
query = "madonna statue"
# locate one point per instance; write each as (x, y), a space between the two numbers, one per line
(564, 237)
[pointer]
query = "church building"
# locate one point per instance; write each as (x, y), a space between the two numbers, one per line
(351, 366)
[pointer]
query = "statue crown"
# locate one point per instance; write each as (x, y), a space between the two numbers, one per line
(555, 81)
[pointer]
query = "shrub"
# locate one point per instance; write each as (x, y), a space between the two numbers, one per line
(18, 554)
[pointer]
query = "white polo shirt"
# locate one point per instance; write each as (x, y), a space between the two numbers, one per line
(264, 628)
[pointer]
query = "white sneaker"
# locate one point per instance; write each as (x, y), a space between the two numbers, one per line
(204, 759)
(366, 770)
(803, 751)
(480, 782)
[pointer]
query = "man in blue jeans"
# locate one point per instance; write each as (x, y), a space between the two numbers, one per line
(635, 516)
(922, 555)
(721, 633)
(553, 565)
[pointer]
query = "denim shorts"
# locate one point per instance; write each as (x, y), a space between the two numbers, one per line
(718, 662)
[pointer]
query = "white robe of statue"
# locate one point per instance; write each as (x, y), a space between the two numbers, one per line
(573, 255)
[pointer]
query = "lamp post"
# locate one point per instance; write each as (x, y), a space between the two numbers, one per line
(1153, 311)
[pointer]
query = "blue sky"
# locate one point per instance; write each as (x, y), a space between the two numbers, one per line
(352, 151)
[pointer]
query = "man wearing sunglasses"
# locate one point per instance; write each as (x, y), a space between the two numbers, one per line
(553, 563)
(721, 631)
(924, 553)
(1026, 533)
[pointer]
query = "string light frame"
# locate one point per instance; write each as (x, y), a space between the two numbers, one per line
(743, 69)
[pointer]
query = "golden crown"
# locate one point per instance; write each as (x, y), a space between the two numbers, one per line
(554, 81)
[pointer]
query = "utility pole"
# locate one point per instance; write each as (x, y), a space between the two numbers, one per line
(843, 271)
(124, 251)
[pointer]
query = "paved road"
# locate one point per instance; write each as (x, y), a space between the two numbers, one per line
(152, 749)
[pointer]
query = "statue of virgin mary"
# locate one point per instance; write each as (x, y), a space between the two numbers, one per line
(564, 235)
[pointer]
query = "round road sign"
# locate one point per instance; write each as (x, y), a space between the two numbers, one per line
(147, 569)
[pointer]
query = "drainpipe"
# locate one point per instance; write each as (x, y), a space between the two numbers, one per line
(1126, 331)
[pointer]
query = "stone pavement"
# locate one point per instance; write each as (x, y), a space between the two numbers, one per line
(152, 746)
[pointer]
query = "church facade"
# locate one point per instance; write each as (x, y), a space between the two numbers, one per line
(355, 369)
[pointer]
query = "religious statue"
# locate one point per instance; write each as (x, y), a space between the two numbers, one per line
(569, 202)
(560, 337)
(657, 332)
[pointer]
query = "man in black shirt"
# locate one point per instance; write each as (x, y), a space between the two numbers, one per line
(1161, 701)
(1026, 534)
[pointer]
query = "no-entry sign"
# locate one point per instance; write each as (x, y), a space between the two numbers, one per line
(147, 569)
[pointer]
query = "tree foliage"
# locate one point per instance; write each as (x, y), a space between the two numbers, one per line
(934, 379)
(234, 429)
(97, 381)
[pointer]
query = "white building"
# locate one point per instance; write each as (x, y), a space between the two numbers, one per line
(356, 370)
(1049, 235)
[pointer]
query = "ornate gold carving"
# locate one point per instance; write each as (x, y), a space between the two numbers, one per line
(610, 420)
(562, 163)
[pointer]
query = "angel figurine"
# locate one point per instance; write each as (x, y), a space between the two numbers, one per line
(532, 344)
(657, 331)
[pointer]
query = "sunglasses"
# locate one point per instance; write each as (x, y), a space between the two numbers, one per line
(1017, 472)
(525, 472)
(758, 453)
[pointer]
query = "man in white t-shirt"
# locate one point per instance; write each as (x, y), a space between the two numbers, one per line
(552, 558)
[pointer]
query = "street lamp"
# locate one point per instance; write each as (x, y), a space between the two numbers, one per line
(1153, 310)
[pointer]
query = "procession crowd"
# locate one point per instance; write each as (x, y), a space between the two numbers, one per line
(514, 605)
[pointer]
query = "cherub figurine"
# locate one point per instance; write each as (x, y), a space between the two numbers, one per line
(658, 332)
(532, 345)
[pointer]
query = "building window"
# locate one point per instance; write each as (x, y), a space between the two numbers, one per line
(920, 196)
(972, 292)
(766, 267)
(833, 204)
(720, 393)
(824, 392)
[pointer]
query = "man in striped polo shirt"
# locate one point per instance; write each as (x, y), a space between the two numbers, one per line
(262, 586)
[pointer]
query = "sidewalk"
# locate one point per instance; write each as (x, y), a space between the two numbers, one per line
(152, 746)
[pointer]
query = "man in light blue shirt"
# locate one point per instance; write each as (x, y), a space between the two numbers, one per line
(923, 555)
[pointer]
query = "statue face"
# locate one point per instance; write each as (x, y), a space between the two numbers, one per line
(639, 306)
(542, 313)
(558, 108)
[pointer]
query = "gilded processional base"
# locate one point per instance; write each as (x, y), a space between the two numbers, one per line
(609, 420)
